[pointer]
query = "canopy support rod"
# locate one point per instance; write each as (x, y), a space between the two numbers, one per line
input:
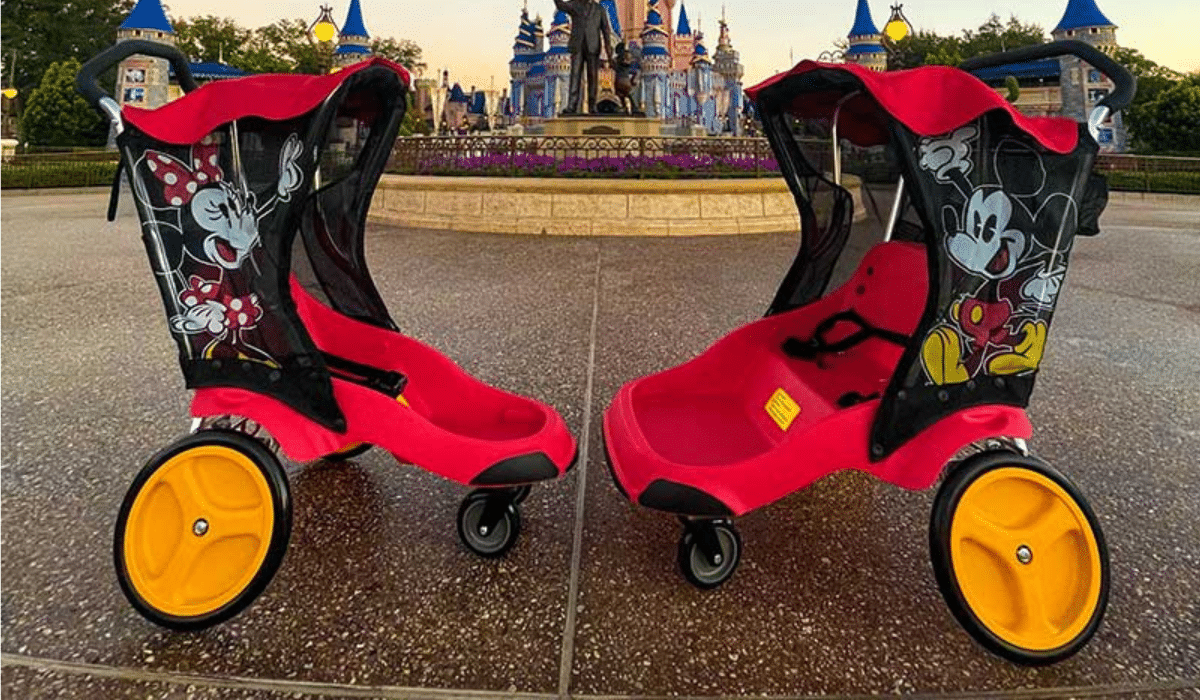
(894, 215)
(837, 151)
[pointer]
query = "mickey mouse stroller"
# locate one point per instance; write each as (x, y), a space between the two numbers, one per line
(925, 355)
(284, 337)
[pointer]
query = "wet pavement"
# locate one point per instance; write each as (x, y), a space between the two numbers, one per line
(377, 598)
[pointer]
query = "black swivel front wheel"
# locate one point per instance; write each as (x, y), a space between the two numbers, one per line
(709, 552)
(489, 522)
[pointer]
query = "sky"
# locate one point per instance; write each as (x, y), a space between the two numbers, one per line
(473, 39)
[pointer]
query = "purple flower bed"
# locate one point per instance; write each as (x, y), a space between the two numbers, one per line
(666, 166)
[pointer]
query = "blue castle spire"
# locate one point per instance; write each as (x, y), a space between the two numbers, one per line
(653, 17)
(353, 43)
(148, 14)
(684, 27)
(354, 22)
(1082, 13)
(863, 24)
(525, 30)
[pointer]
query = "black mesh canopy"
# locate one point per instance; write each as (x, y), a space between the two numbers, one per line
(997, 211)
(219, 220)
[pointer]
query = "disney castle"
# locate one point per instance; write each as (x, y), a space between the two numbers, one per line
(680, 82)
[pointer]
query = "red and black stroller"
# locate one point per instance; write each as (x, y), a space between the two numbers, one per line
(253, 196)
(903, 353)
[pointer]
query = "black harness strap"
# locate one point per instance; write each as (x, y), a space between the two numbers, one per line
(816, 346)
(388, 382)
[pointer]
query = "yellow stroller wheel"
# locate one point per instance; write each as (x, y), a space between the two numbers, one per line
(1019, 557)
(202, 530)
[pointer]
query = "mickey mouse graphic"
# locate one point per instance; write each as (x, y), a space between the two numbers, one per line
(208, 227)
(999, 327)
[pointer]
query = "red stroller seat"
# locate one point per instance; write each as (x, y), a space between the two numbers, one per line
(726, 432)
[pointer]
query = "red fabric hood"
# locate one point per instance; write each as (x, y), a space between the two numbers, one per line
(930, 100)
(275, 97)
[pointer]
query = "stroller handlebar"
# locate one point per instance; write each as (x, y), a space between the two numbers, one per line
(88, 84)
(1123, 81)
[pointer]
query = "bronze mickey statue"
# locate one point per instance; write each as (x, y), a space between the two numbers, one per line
(590, 29)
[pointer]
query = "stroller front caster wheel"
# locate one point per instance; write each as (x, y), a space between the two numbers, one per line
(1019, 558)
(202, 530)
(489, 522)
(709, 552)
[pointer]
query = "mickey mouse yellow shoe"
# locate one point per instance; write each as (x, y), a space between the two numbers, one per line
(942, 353)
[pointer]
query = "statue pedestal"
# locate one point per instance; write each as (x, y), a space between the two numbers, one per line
(602, 125)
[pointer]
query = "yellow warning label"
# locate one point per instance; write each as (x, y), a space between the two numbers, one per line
(782, 409)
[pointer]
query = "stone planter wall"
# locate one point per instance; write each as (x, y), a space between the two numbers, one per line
(589, 207)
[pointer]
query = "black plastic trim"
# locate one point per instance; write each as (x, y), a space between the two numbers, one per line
(517, 470)
(672, 497)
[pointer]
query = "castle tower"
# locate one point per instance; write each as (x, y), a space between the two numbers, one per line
(729, 72)
(703, 107)
(143, 81)
(866, 43)
(524, 53)
(354, 44)
(683, 42)
(558, 63)
(1083, 86)
(656, 64)
(535, 79)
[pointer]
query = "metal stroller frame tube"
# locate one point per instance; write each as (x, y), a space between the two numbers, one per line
(894, 214)
(837, 151)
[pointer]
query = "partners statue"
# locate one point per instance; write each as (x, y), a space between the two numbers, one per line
(589, 29)
(627, 68)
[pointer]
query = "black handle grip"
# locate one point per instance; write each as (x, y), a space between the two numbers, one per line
(87, 81)
(1125, 84)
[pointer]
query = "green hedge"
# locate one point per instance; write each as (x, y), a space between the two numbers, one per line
(72, 174)
(1180, 182)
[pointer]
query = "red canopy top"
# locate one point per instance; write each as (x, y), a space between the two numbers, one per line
(930, 100)
(274, 97)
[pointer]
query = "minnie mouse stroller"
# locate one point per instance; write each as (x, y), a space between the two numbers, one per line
(923, 356)
(284, 337)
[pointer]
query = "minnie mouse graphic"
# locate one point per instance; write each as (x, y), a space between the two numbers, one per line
(207, 228)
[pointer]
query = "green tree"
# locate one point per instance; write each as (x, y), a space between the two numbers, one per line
(1170, 123)
(283, 47)
(994, 36)
(925, 48)
(402, 51)
(1141, 117)
(56, 115)
(38, 33)
(413, 122)
(211, 38)
(917, 48)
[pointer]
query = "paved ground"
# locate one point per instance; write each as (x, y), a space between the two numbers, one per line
(376, 597)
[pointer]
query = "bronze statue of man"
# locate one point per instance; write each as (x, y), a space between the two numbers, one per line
(589, 30)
